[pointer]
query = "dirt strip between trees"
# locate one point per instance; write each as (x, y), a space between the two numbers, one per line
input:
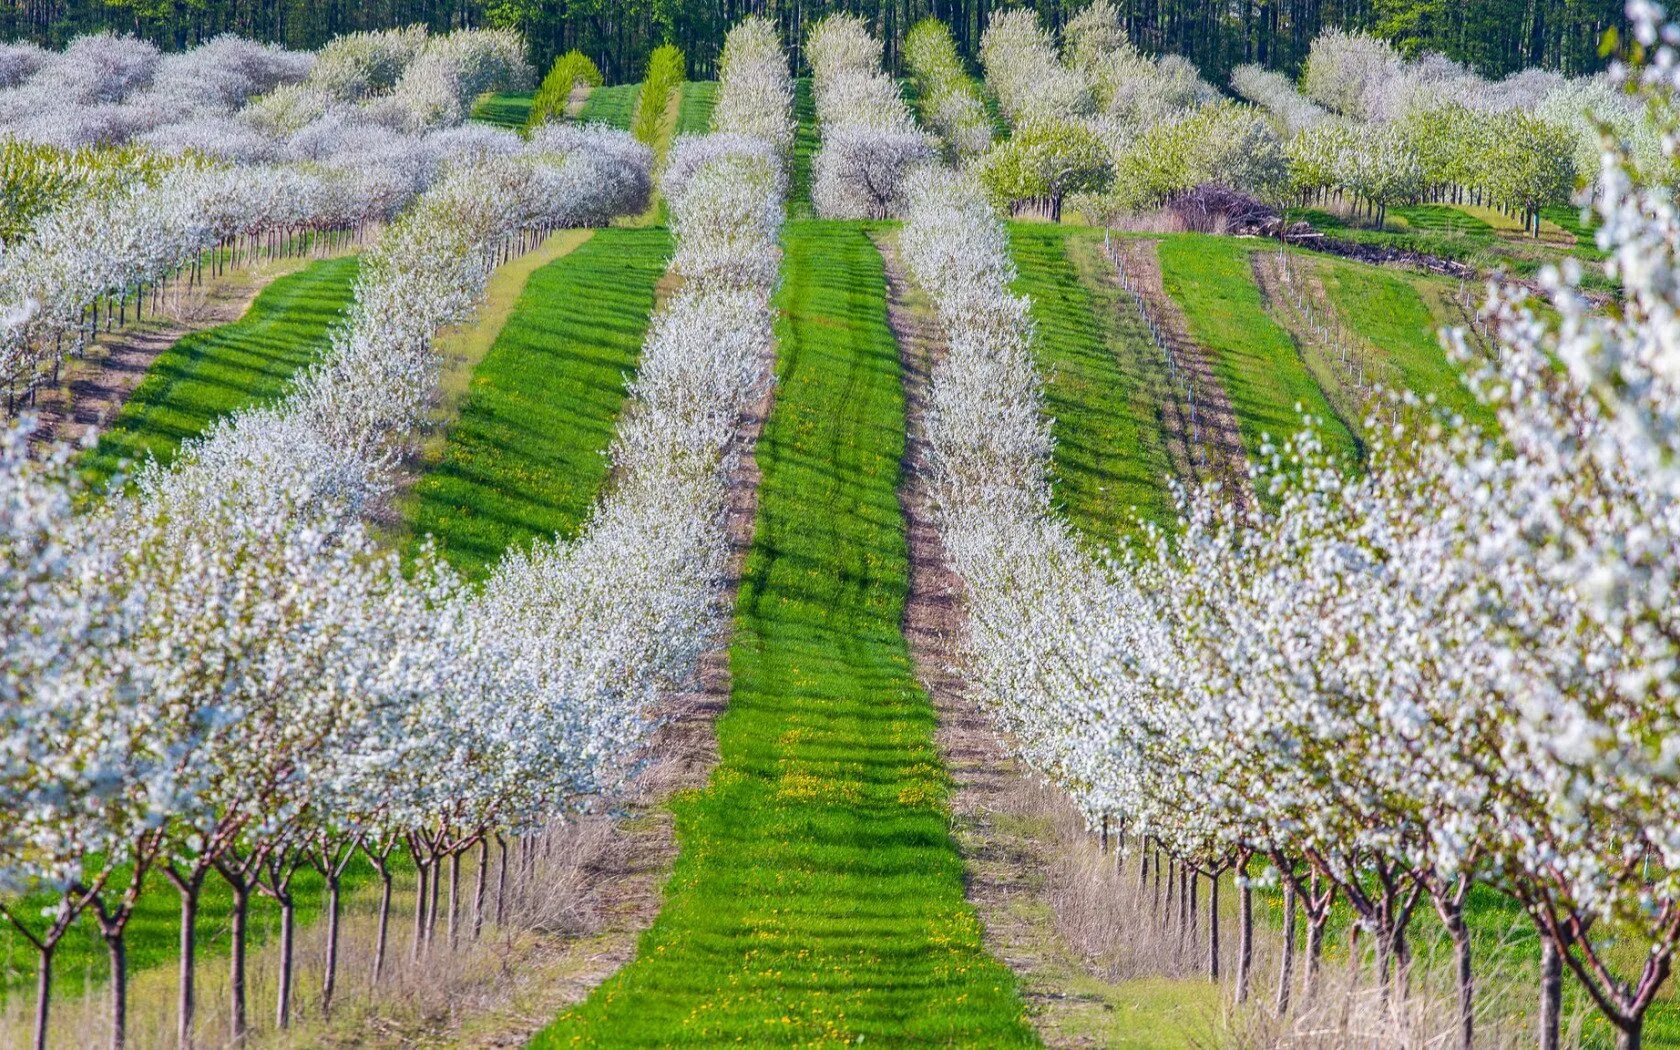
(1210, 423)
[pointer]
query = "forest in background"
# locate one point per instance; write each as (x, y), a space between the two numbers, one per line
(1495, 37)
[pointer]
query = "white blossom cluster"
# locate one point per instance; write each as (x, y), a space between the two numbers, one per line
(1165, 128)
(1476, 127)
(1027, 581)
(233, 592)
(870, 143)
(1365, 122)
(1133, 91)
(244, 176)
(1025, 73)
(1277, 94)
(756, 97)
(136, 233)
(1460, 666)
(240, 99)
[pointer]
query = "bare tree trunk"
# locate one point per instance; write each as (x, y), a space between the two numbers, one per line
(1286, 965)
(236, 955)
(1245, 930)
(1155, 893)
(1172, 877)
(329, 978)
(501, 878)
(288, 927)
(187, 1003)
(1465, 980)
(43, 995)
(1551, 993)
(190, 888)
(432, 899)
(420, 894)
(1631, 1034)
(381, 936)
(1213, 927)
(118, 952)
(1315, 949)
(478, 887)
(1194, 878)
(454, 896)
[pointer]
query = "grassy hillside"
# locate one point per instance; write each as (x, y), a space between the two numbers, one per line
(694, 112)
(209, 374)
(1110, 459)
(1254, 357)
(1385, 309)
(818, 897)
(805, 143)
(507, 109)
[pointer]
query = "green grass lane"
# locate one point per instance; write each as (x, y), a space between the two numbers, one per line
(1441, 218)
(1385, 309)
(611, 105)
(806, 141)
(818, 896)
(1254, 357)
(525, 458)
(694, 112)
(505, 109)
(1568, 218)
(1110, 464)
(210, 374)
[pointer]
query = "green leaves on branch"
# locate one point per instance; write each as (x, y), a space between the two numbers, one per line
(666, 71)
(36, 178)
(569, 70)
(1223, 144)
(947, 98)
(1046, 161)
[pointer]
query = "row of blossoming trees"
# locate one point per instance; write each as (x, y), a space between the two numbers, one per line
(140, 167)
(1458, 668)
(218, 671)
(1127, 130)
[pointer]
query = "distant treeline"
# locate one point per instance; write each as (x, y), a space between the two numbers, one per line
(1493, 36)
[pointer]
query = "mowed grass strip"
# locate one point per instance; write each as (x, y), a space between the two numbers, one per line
(506, 109)
(611, 105)
(694, 112)
(818, 896)
(1110, 465)
(210, 374)
(1385, 309)
(526, 459)
(1254, 357)
(807, 139)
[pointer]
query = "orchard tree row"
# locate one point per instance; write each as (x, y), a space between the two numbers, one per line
(217, 671)
(1377, 689)
(1100, 122)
